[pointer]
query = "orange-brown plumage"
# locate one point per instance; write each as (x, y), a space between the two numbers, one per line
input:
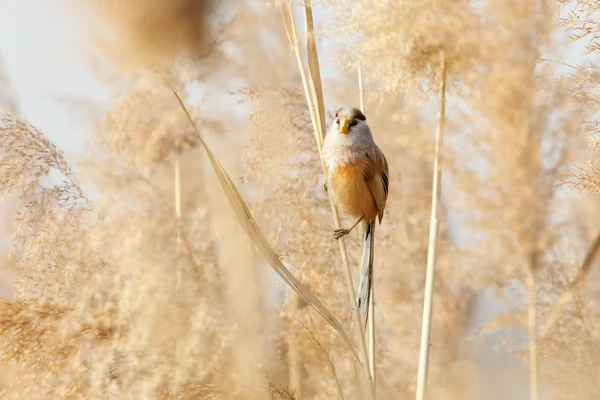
(358, 181)
(351, 192)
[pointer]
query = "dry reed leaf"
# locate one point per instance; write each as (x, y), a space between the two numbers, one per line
(250, 226)
(314, 70)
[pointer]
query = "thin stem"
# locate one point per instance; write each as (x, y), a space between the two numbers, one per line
(433, 235)
(371, 319)
(177, 195)
(314, 93)
(361, 92)
(293, 354)
(177, 201)
(532, 328)
(371, 325)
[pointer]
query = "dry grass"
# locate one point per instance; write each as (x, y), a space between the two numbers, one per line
(189, 253)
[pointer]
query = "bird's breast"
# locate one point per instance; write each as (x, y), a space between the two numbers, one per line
(350, 191)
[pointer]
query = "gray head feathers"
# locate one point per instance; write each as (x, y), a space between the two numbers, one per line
(345, 148)
(351, 113)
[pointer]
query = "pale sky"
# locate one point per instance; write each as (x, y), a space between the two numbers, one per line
(40, 44)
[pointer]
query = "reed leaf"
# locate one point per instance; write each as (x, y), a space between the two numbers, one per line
(250, 226)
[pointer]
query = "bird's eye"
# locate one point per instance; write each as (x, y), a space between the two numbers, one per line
(354, 122)
(337, 120)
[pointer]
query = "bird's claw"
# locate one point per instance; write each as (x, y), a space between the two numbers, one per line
(325, 187)
(338, 233)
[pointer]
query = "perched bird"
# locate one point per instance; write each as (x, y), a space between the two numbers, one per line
(358, 180)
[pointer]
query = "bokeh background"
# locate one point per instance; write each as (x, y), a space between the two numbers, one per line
(126, 275)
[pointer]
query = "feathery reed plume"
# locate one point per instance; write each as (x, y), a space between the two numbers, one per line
(315, 338)
(573, 285)
(152, 32)
(33, 168)
(581, 24)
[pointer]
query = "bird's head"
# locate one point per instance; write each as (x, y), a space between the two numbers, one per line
(349, 119)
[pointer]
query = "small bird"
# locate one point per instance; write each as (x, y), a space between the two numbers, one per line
(358, 178)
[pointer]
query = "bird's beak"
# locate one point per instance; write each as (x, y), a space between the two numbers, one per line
(344, 125)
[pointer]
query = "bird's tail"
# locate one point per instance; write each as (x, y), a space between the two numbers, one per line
(365, 272)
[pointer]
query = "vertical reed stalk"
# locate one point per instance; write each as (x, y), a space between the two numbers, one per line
(295, 377)
(361, 91)
(177, 197)
(371, 325)
(314, 100)
(433, 235)
(371, 320)
(177, 201)
(532, 328)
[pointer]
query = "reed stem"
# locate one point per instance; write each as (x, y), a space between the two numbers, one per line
(371, 318)
(314, 100)
(532, 328)
(433, 236)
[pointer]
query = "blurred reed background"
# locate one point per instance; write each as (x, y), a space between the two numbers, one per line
(132, 270)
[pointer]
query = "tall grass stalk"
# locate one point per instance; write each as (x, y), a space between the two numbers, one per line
(177, 201)
(314, 99)
(532, 328)
(371, 320)
(371, 327)
(295, 377)
(433, 235)
(361, 90)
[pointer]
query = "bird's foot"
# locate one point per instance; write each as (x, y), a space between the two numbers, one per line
(325, 187)
(338, 233)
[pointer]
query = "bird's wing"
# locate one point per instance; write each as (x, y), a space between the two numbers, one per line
(376, 177)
